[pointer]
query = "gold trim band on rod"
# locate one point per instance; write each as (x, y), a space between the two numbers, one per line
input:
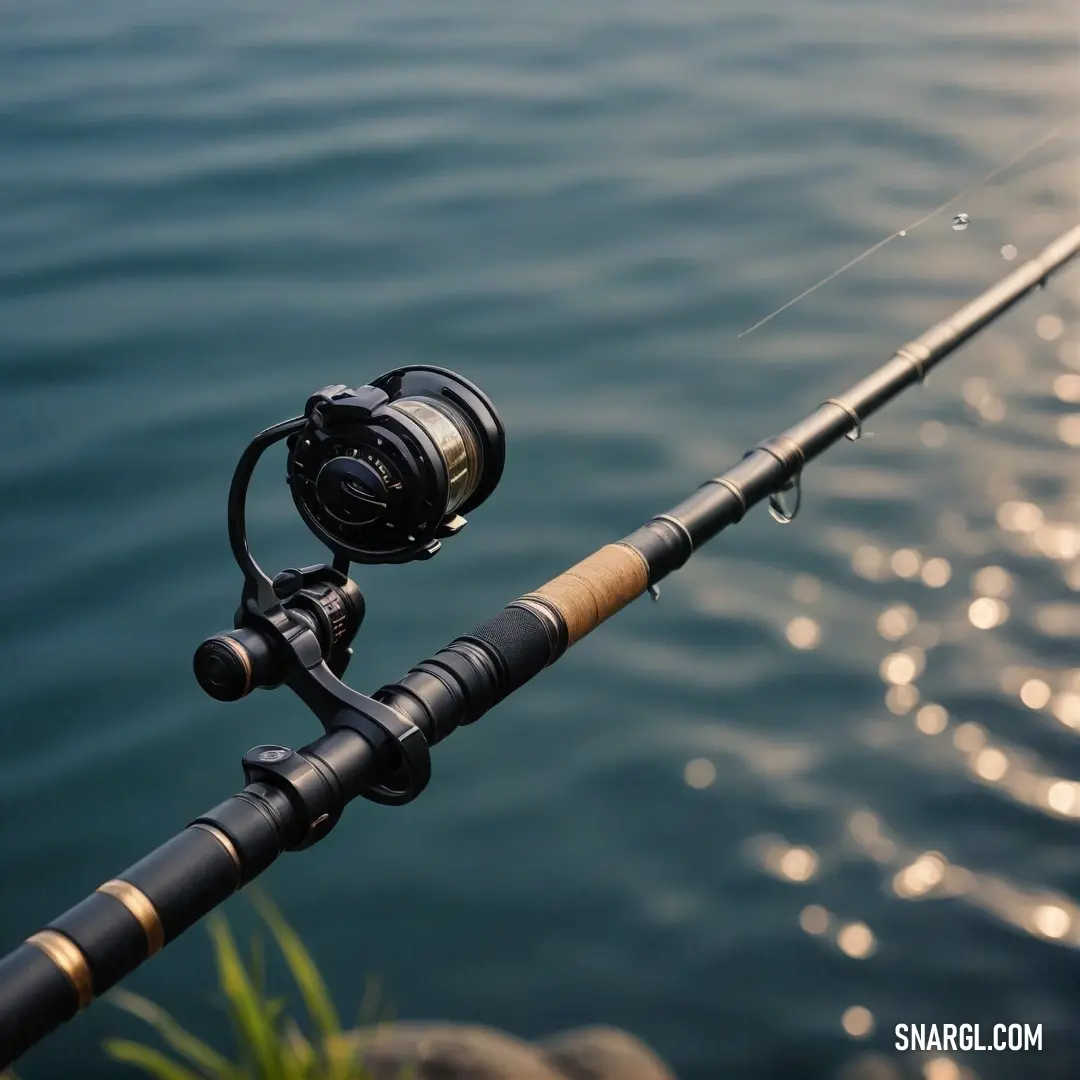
(222, 839)
(142, 907)
(69, 958)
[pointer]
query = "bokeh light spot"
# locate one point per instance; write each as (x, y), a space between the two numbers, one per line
(991, 764)
(1068, 429)
(1051, 921)
(1023, 517)
(869, 562)
(941, 1068)
(992, 581)
(931, 719)
(898, 669)
(814, 919)
(1063, 797)
(936, 573)
(799, 864)
(1067, 388)
(906, 562)
(924, 874)
(900, 700)
(803, 633)
(1035, 694)
(1066, 707)
(699, 773)
(1049, 327)
(985, 613)
(933, 433)
(858, 1021)
(856, 940)
(969, 738)
(897, 622)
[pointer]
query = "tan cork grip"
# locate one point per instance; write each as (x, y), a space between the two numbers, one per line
(595, 588)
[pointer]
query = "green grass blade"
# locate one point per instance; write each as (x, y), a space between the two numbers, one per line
(254, 1025)
(194, 1050)
(304, 1060)
(370, 1002)
(306, 975)
(258, 965)
(152, 1062)
(345, 1059)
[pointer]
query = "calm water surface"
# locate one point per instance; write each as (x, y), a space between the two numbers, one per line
(210, 210)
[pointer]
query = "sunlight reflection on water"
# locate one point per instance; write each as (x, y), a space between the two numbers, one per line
(1045, 529)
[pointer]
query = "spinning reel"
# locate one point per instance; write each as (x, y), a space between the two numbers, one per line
(380, 474)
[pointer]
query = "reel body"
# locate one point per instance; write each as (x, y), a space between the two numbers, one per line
(380, 474)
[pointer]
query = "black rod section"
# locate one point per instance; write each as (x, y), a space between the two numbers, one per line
(61, 969)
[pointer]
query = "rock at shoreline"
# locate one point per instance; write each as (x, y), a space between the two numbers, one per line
(427, 1051)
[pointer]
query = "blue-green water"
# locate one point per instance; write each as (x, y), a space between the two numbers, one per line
(209, 210)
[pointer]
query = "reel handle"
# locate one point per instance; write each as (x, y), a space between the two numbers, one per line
(316, 602)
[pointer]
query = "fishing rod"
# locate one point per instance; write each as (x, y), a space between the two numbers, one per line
(383, 473)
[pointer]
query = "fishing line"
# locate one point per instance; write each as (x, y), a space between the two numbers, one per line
(981, 182)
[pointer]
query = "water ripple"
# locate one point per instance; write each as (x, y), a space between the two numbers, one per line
(839, 759)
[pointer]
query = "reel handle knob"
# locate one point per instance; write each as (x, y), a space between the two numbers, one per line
(229, 666)
(324, 614)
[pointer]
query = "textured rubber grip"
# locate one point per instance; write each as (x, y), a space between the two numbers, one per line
(475, 671)
(520, 642)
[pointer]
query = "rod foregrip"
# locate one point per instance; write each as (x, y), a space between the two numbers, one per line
(474, 672)
(595, 588)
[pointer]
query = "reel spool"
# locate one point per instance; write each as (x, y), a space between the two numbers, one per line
(382, 473)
